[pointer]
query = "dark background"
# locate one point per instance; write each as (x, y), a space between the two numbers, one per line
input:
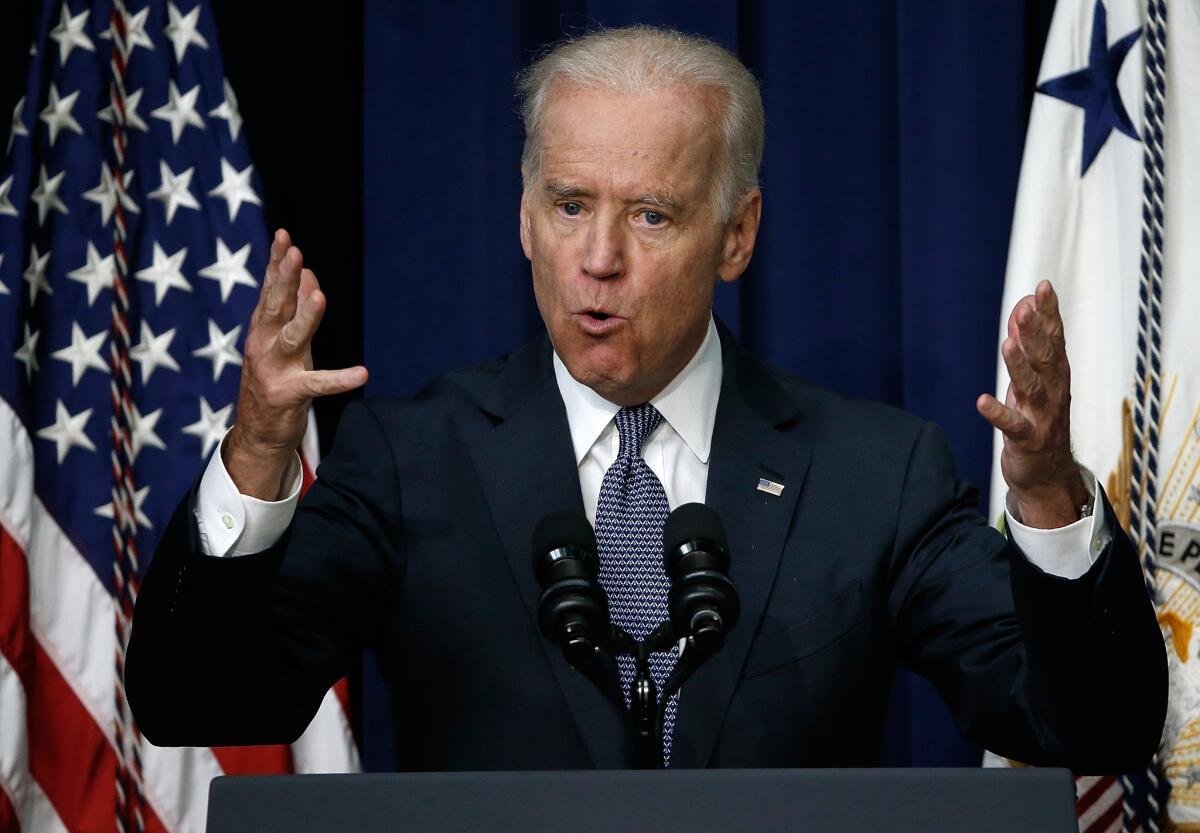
(386, 137)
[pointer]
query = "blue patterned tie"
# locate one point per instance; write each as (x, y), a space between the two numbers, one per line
(630, 517)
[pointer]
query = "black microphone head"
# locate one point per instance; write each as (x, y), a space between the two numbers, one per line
(573, 608)
(693, 522)
(563, 532)
(702, 601)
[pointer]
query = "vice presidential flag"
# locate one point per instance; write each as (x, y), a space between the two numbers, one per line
(131, 241)
(1108, 208)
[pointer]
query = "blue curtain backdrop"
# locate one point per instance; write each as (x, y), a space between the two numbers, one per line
(894, 135)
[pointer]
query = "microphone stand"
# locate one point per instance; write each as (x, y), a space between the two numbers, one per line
(645, 716)
(643, 700)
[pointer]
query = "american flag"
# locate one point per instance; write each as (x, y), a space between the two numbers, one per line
(131, 235)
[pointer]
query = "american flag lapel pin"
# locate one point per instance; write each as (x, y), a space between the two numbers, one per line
(770, 487)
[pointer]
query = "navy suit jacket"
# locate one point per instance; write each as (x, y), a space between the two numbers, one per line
(416, 536)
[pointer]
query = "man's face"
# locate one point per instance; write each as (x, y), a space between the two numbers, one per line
(622, 235)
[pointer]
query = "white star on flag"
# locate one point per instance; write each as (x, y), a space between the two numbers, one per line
(182, 272)
(132, 119)
(66, 432)
(141, 430)
(27, 352)
(83, 352)
(96, 273)
(105, 510)
(179, 111)
(135, 31)
(228, 110)
(230, 269)
(105, 194)
(174, 191)
(69, 34)
(165, 273)
(6, 206)
(18, 126)
(153, 352)
(181, 30)
(211, 427)
(57, 114)
(46, 195)
(221, 348)
(235, 188)
(35, 273)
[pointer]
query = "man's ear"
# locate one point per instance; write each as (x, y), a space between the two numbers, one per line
(740, 233)
(525, 244)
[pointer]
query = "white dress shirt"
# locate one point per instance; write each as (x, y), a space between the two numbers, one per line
(232, 524)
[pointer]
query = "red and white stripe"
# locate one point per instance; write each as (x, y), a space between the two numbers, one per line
(1098, 803)
(58, 759)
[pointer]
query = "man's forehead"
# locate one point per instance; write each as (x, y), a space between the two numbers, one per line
(661, 144)
(610, 120)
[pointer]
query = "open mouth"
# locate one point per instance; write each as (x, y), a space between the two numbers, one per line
(597, 322)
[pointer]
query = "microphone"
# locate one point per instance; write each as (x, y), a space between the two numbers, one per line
(703, 602)
(573, 608)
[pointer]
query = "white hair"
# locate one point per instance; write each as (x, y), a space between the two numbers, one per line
(640, 59)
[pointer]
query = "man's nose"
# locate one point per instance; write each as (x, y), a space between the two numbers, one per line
(605, 253)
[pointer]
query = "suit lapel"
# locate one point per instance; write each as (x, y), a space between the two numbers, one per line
(747, 445)
(526, 469)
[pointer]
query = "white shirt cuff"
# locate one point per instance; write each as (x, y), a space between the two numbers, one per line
(1069, 551)
(231, 523)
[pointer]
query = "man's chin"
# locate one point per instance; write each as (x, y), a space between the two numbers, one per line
(604, 371)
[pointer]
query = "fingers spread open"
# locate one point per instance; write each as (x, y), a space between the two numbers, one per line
(1035, 342)
(1046, 300)
(280, 302)
(1004, 418)
(308, 282)
(280, 244)
(297, 333)
(1014, 329)
(1025, 382)
(327, 382)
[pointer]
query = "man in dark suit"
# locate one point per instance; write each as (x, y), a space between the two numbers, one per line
(640, 174)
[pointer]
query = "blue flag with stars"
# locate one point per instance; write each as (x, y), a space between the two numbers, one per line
(195, 241)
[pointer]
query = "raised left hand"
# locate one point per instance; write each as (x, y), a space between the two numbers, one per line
(1035, 418)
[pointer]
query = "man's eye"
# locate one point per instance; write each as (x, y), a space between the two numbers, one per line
(653, 217)
(571, 209)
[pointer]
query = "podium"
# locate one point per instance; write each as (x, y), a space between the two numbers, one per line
(640, 801)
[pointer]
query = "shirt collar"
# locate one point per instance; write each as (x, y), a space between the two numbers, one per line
(688, 403)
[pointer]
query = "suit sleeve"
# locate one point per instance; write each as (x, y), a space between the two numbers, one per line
(1038, 668)
(242, 650)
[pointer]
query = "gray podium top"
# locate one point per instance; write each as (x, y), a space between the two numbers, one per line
(730, 801)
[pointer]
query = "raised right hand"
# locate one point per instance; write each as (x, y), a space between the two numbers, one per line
(278, 382)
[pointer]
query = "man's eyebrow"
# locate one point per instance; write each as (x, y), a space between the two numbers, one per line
(559, 189)
(658, 201)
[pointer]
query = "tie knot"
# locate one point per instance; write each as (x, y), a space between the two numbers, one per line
(634, 425)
